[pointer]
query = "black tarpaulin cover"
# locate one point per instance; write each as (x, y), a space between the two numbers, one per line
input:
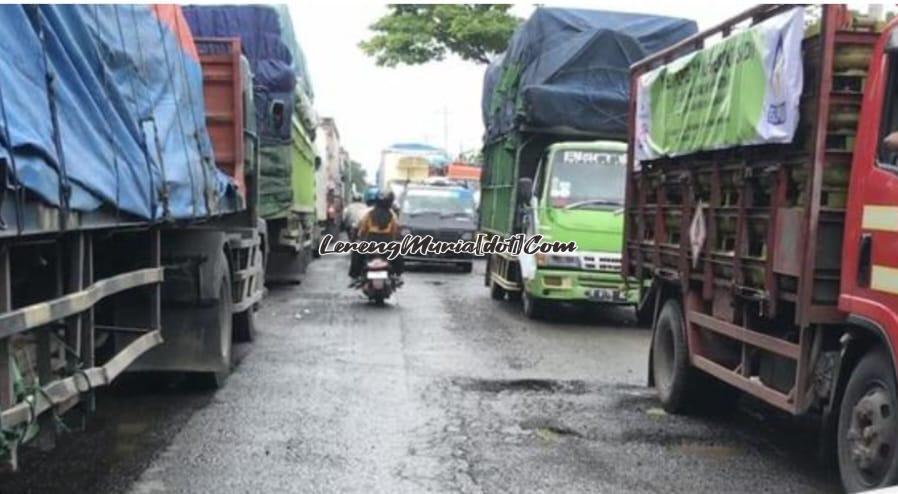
(566, 70)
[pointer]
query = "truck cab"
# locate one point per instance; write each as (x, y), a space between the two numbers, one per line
(578, 196)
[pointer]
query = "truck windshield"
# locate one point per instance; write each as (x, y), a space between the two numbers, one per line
(446, 202)
(587, 179)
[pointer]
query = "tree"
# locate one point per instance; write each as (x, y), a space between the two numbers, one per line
(357, 178)
(414, 34)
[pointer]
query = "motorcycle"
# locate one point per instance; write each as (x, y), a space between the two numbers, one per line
(377, 282)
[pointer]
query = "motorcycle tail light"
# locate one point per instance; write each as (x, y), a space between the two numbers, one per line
(378, 264)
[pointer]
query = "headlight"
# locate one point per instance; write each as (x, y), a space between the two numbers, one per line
(553, 261)
(404, 231)
(467, 236)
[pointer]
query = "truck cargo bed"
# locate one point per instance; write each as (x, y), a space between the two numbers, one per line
(768, 266)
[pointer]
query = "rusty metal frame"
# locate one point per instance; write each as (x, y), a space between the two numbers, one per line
(69, 318)
(699, 308)
(815, 172)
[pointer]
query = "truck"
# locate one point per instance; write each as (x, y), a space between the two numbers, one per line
(408, 162)
(286, 121)
(552, 169)
(765, 237)
(129, 238)
(329, 198)
(303, 181)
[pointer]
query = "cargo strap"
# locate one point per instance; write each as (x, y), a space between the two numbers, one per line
(110, 135)
(11, 175)
(163, 187)
(65, 188)
(171, 81)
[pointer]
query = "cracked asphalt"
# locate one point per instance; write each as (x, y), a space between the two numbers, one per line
(442, 390)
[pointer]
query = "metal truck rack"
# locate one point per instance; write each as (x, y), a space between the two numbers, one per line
(85, 296)
(765, 285)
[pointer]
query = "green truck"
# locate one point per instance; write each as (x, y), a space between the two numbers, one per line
(287, 203)
(564, 191)
(554, 107)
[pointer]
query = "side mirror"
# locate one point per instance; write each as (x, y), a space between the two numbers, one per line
(278, 110)
(525, 189)
(317, 162)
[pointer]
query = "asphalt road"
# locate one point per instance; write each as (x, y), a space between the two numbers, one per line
(443, 390)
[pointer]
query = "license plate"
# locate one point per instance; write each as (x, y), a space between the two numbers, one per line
(602, 295)
(377, 275)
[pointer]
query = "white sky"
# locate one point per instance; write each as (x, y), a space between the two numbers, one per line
(375, 107)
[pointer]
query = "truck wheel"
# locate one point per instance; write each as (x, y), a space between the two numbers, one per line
(681, 388)
(868, 425)
(316, 241)
(496, 291)
(643, 315)
(670, 359)
(531, 306)
(245, 326)
(221, 317)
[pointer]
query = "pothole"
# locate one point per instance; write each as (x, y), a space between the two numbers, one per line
(547, 428)
(521, 385)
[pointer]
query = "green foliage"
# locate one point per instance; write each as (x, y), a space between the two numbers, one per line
(414, 34)
(357, 178)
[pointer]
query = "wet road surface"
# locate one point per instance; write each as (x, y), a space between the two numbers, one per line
(443, 390)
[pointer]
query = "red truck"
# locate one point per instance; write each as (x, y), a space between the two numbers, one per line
(791, 292)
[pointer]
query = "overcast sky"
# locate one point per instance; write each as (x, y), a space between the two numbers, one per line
(375, 107)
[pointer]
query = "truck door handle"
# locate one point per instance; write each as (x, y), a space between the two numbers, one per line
(864, 260)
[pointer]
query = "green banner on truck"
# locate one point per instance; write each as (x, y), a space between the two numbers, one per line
(744, 90)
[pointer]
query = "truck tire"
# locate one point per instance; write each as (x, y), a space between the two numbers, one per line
(644, 314)
(681, 388)
(867, 440)
(670, 358)
(245, 326)
(222, 317)
(531, 306)
(496, 291)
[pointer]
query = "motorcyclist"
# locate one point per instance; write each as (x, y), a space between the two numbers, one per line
(379, 224)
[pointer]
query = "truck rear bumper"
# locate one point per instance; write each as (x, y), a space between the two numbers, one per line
(441, 259)
(581, 286)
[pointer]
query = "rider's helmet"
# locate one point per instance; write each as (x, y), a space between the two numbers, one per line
(385, 199)
(371, 195)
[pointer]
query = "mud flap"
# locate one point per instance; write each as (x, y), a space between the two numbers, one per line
(190, 343)
(196, 266)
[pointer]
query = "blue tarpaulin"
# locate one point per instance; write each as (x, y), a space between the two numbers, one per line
(273, 54)
(121, 125)
(566, 70)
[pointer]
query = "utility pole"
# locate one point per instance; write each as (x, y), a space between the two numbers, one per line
(445, 112)
(445, 127)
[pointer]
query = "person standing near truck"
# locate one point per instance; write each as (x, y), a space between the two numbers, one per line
(352, 215)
